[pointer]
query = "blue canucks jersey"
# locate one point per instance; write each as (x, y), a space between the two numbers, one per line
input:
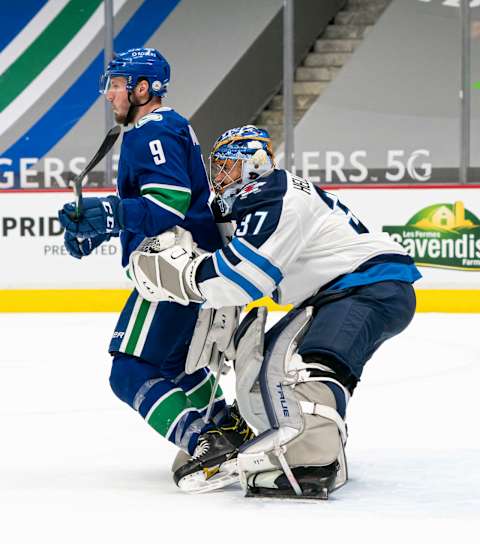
(162, 182)
(293, 239)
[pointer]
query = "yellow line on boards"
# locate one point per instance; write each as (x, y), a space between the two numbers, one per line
(112, 300)
(63, 300)
(450, 301)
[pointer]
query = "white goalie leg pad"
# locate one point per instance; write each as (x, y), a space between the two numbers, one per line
(294, 411)
(320, 443)
(249, 342)
(263, 400)
(212, 338)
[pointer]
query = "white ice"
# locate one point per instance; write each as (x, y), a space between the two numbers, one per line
(77, 465)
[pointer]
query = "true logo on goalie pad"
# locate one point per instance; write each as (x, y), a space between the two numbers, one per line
(283, 400)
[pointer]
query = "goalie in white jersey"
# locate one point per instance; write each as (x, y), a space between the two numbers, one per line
(351, 289)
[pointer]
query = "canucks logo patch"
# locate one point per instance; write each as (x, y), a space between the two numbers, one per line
(147, 118)
(251, 188)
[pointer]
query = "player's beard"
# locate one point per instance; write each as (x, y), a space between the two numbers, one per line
(120, 117)
(121, 111)
(126, 117)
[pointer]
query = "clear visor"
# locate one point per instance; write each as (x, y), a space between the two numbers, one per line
(223, 173)
(104, 83)
(111, 82)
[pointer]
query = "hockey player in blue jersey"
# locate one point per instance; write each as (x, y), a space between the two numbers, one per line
(162, 182)
(351, 290)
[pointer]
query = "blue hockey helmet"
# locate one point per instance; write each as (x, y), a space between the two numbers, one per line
(249, 144)
(135, 65)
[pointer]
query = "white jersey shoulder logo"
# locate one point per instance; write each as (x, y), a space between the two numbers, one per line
(149, 117)
(251, 188)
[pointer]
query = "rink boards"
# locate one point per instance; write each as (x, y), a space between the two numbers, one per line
(438, 226)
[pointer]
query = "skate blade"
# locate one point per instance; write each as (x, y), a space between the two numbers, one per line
(272, 493)
(208, 480)
(266, 493)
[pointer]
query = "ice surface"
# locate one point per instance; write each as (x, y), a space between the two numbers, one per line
(77, 465)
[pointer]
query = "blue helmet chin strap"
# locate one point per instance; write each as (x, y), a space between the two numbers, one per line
(131, 109)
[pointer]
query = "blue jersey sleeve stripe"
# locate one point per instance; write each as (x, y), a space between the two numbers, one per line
(230, 256)
(258, 260)
(236, 278)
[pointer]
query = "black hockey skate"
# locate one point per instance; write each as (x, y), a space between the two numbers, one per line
(315, 483)
(214, 462)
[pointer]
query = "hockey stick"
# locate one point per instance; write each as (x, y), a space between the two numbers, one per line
(107, 144)
(217, 357)
(219, 361)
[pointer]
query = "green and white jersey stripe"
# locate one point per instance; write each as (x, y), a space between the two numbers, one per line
(38, 66)
(30, 33)
(166, 412)
(174, 405)
(182, 414)
(199, 395)
(169, 197)
(138, 326)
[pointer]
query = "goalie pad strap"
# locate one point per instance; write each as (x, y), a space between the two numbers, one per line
(342, 372)
(288, 471)
(327, 412)
(299, 371)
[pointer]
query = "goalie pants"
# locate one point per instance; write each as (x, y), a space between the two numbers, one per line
(349, 326)
(149, 347)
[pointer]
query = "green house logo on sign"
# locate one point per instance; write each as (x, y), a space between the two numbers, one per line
(441, 236)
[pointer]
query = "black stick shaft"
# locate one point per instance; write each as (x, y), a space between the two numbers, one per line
(107, 144)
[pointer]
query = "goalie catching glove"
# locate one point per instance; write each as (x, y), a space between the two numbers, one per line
(163, 268)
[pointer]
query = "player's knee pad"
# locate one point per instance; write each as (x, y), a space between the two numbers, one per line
(291, 402)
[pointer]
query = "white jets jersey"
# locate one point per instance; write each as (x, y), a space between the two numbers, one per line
(293, 239)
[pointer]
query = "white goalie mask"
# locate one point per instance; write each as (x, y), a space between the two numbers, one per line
(239, 156)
